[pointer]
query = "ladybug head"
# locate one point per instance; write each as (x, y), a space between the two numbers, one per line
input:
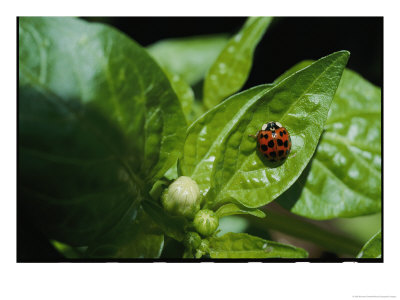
(271, 126)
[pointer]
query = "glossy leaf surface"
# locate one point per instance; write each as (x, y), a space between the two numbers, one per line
(344, 177)
(373, 248)
(229, 72)
(242, 245)
(217, 145)
(207, 133)
(183, 91)
(234, 209)
(189, 57)
(98, 123)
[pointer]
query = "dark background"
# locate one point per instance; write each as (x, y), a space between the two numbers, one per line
(286, 42)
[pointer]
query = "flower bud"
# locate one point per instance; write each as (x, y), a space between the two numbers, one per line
(182, 197)
(192, 240)
(203, 249)
(206, 222)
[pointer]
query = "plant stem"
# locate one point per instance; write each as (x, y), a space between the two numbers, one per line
(300, 228)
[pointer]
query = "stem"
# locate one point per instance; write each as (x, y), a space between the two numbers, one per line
(157, 189)
(300, 228)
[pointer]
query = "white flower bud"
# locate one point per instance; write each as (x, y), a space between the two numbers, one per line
(206, 222)
(182, 197)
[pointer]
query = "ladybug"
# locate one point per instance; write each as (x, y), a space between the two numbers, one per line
(273, 141)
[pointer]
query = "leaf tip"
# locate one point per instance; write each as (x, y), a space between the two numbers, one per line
(344, 53)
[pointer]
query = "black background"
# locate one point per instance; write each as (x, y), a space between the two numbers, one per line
(287, 41)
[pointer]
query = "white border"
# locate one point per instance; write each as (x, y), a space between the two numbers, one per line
(198, 281)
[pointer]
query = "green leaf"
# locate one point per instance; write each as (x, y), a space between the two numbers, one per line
(183, 91)
(141, 238)
(242, 245)
(173, 226)
(207, 133)
(188, 57)
(230, 71)
(373, 248)
(98, 124)
(68, 251)
(234, 209)
(344, 177)
(221, 157)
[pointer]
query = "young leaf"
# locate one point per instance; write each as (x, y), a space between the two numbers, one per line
(344, 177)
(98, 122)
(234, 209)
(189, 57)
(218, 145)
(242, 245)
(67, 251)
(232, 67)
(373, 248)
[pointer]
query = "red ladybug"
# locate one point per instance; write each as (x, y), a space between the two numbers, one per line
(273, 141)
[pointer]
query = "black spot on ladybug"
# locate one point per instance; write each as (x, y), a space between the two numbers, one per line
(281, 133)
(261, 136)
(287, 152)
(271, 144)
(264, 147)
(281, 152)
(280, 142)
(273, 154)
(284, 132)
(266, 136)
(285, 143)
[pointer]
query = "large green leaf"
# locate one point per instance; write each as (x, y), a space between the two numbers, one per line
(344, 177)
(373, 248)
(98, 124)
(188, 57)
(230, 71)
(222, 158)
(183, 91)
(242, 245)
